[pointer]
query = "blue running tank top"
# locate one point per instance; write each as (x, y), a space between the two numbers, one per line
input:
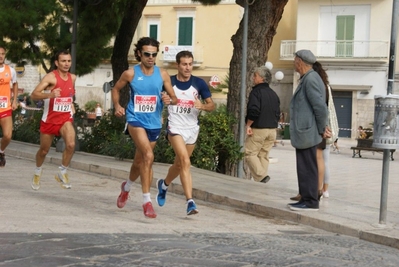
(145, 105)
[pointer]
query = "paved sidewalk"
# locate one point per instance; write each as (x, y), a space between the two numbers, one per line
(352, 209)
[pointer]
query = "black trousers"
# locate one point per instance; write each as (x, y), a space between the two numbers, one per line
(306, 166)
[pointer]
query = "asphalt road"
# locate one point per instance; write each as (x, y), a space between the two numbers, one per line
(83, 227)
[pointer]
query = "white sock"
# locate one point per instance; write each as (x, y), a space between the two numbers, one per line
(128, 185)
(146, 197)
(63, 169)
(1, 151)
(38, 171)
(164, 186)
(190, 200)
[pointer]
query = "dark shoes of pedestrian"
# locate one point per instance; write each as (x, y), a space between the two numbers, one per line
(302, 207)
(266, 179)
(2, 160)
(294, 204)
(296, 198)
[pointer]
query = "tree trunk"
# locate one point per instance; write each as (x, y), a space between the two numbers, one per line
(123, 41)
(263, 19)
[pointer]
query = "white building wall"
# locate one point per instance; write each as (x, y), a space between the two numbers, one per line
(376, 79)
(90, 87)
(29, 78)
(317, 22)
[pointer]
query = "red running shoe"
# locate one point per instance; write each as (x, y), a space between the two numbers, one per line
(149, 210)
(123, 196)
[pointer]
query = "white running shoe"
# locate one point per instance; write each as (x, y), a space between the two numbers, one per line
(36, 182)
(63, 180)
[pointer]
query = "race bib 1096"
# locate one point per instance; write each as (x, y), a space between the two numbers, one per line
(145, 103)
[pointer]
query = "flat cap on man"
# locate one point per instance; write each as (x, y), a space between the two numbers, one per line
(306, 55)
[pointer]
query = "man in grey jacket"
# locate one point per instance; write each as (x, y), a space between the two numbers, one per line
(308, 120)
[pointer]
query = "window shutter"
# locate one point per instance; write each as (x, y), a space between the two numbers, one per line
(185, 31)
(154, 31)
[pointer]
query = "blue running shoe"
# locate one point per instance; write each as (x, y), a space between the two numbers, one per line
(191, 208)
(161, 196)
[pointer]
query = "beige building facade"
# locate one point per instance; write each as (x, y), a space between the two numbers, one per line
(211, 30)
(210, 38)
(350, 38)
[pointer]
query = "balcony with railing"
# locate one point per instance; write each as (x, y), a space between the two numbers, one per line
(335, 50)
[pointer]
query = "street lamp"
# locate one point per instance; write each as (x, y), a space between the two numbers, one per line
(75, 28)
(279, 75)
(61, 143)
(269, 65)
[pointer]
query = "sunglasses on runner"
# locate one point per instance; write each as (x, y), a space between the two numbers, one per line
(148, 54)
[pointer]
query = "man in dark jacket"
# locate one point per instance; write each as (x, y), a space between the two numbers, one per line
(263, 113)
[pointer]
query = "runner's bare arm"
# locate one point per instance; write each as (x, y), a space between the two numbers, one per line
(209, 105)
(168, 87)
(15, 91)
(73, 82)
(125, 78)
(73, 79)
(48, 82)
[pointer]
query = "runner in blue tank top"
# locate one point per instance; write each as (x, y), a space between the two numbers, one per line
(143, 115)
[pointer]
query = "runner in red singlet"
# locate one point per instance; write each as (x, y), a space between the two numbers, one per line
(57, 90)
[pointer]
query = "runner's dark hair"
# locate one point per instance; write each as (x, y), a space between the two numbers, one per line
(184, 53)
(142, 42)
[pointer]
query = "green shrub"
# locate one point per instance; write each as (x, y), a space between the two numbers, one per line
(90, 106)
(101, 134)
(27, 130)
(216, 148)
(119, 146)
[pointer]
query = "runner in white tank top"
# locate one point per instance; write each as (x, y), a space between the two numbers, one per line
(193, 96)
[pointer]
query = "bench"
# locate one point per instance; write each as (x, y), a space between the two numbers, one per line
(367, 145)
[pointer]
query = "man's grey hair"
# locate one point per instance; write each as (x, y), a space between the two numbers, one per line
(264, 73)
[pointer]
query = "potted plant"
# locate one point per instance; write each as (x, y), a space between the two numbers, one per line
(90, 108)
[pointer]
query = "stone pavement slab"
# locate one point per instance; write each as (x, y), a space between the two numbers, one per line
(353, 207)
(191, 249)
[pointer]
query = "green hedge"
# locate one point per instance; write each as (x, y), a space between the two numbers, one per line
(216, 148)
